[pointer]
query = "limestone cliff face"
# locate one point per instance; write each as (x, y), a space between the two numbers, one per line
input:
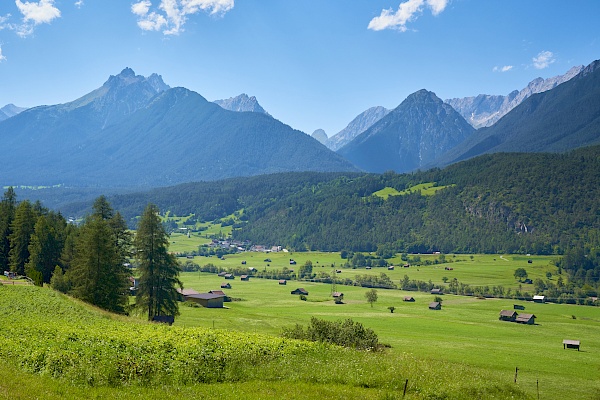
(484, 110)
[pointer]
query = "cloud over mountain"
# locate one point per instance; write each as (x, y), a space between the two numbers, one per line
(407, 12)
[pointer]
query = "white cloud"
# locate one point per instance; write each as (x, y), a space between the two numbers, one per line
(407, 12)
(78, 3)
(172, 14)
(34, 13)
(39, 12)
(543, 60)
(506, 68)
(2, 58)
(141, 8)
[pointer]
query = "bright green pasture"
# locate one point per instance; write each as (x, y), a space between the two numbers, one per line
(426, 189)
(465, 330)
(179, 242)
(481, 270)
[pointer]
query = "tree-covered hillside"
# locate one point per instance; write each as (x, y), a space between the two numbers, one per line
(529, 203)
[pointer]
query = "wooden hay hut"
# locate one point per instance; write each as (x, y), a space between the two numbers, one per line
(437, 291)
(518, 307)
(300, 291)
(436, 305)
(528, 319)
(208, 300)
(245, 277)
(282, 282)
(225, 285)
(508, 315)
(539, 299)
(229, 276)
(409, 298)
(571, 344)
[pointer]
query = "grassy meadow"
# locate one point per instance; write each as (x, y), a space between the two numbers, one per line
(462, 351)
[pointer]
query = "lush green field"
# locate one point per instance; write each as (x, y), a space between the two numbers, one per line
(467, 330)
(480, 270)
(59, 348)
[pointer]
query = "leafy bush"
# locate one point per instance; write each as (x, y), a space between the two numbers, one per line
(345, 333)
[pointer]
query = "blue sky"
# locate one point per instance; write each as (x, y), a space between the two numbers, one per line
(311, 64)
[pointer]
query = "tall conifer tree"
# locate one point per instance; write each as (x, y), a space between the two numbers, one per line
(22, 228)
(158, 270)
(7, 214)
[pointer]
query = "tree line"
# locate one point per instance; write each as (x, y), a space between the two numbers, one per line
(91, 261)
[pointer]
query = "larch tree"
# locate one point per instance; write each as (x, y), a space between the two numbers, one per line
(158, 270)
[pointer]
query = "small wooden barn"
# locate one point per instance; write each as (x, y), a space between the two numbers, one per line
(539, 299)
(518, 307)
(184, 293)
(437, 291)
(571, 344)
(300, 291)
(528, 319)
(338, 295)
(225, 285)
(245, 277)
(508, 315)
(436, 305)
(229, 276)
(409, 298)
(282, 282)
(220, 292)
(208, 300)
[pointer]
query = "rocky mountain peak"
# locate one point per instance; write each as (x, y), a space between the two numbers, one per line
(241, 103)
(320, 135)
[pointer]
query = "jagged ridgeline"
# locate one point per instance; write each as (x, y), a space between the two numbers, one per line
(534, 203)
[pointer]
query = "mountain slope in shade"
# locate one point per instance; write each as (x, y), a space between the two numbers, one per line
(564, 118)
(413, 134)
(485, 110)
(358, 125)
(241, 103)
(177, 136)
(10, 110)
(320, 135)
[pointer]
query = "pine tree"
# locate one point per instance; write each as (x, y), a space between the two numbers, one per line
(22, 228)
(158, 270)
(7, 214)
(97, 275)
(46, 245)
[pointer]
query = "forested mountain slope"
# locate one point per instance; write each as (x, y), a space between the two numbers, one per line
(530, 203)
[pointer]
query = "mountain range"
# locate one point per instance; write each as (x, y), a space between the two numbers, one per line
(137, 131)
(241, 103)
(412, 135)
(485, 110)
(10, 110)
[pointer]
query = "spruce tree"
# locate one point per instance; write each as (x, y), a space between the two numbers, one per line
(7, 214)
(22, 228)
(46, 245)
(97, 275)
(158, 270)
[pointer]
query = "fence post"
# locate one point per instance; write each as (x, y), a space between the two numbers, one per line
(405, 386)
(516, 373)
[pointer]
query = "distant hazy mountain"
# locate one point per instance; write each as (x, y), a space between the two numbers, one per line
(564, 118)
(320, 135)
(133, 132)
(484, 110)
(241, 103)
(357, 126)
(10, 110)
(416, 132)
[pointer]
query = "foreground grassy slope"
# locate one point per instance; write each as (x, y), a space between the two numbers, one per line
(63, 349)
(466, 332)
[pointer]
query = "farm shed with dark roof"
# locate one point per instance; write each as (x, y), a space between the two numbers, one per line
(508, 315)
(528, 319)
(300, 291)
(208, 300)
(436, 305)
(571, 344)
